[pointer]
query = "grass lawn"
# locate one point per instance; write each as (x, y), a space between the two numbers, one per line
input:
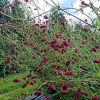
(11, 91)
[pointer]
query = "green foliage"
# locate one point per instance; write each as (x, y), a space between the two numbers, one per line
(17, 11)
(34, 49)
(3, 6)
(56, 16)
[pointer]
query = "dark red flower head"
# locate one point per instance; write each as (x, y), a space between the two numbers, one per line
(66, 43)
(53, 65)
(78, 94)
(24, 85)
(37, 93)
(12, 68)
(37, 69)
(68, 62)
(96, 61)
(86, 93)
(76, 50)
(84, 41)
(95, 98)
(34, 57)
(25, 42)
(32, 83)
(45, 60)
(53, 41)
(58, 35)
(92, 39)
(61, 83)
(45, 74)
(83, 3)
(45, 16)
(52, 87)
(63, 23)
(86, 29)
(43, 26)
(70, 73)
(26, 0)
(29, 75)
(8, 59)
(16, 80)
(94, 49)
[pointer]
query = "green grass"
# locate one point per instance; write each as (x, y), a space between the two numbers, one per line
(11, 91)
(7, 84)
(19, 93)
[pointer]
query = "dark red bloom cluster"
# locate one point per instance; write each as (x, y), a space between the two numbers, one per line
(45, 74)
(92, 39)
(12, 68)
(66, 43)
(94, 49)
(61, 83)
(69, 73)
(83, 68)
(84, 93)
(16, 80)
(66, 85)
(76, 50)
(53, 41)
(68, 62)
(35, 47)
(38, 53)
(45, 60)
(96, 61)
(86, 29)
(78, 94)
(29, 75)
(84, 41)
(43, 26)
(26, 0)
(21, 62)
(33, 77)
(34, 57)
(8, 58)
(38, 93)
(25, 43)
(24, 85)
(52, 87)
(95, 98)
(63, 23)
(45, 16)
(83, 3)
(32, 83)
(37, 69)
(53, 65)
(58, 35)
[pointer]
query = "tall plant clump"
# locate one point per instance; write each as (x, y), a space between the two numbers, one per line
(65, 61)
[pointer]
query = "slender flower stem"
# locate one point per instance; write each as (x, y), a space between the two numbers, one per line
(54, 3)
(77, 10)
(48, 3)
(12, 17)
(76, 17)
